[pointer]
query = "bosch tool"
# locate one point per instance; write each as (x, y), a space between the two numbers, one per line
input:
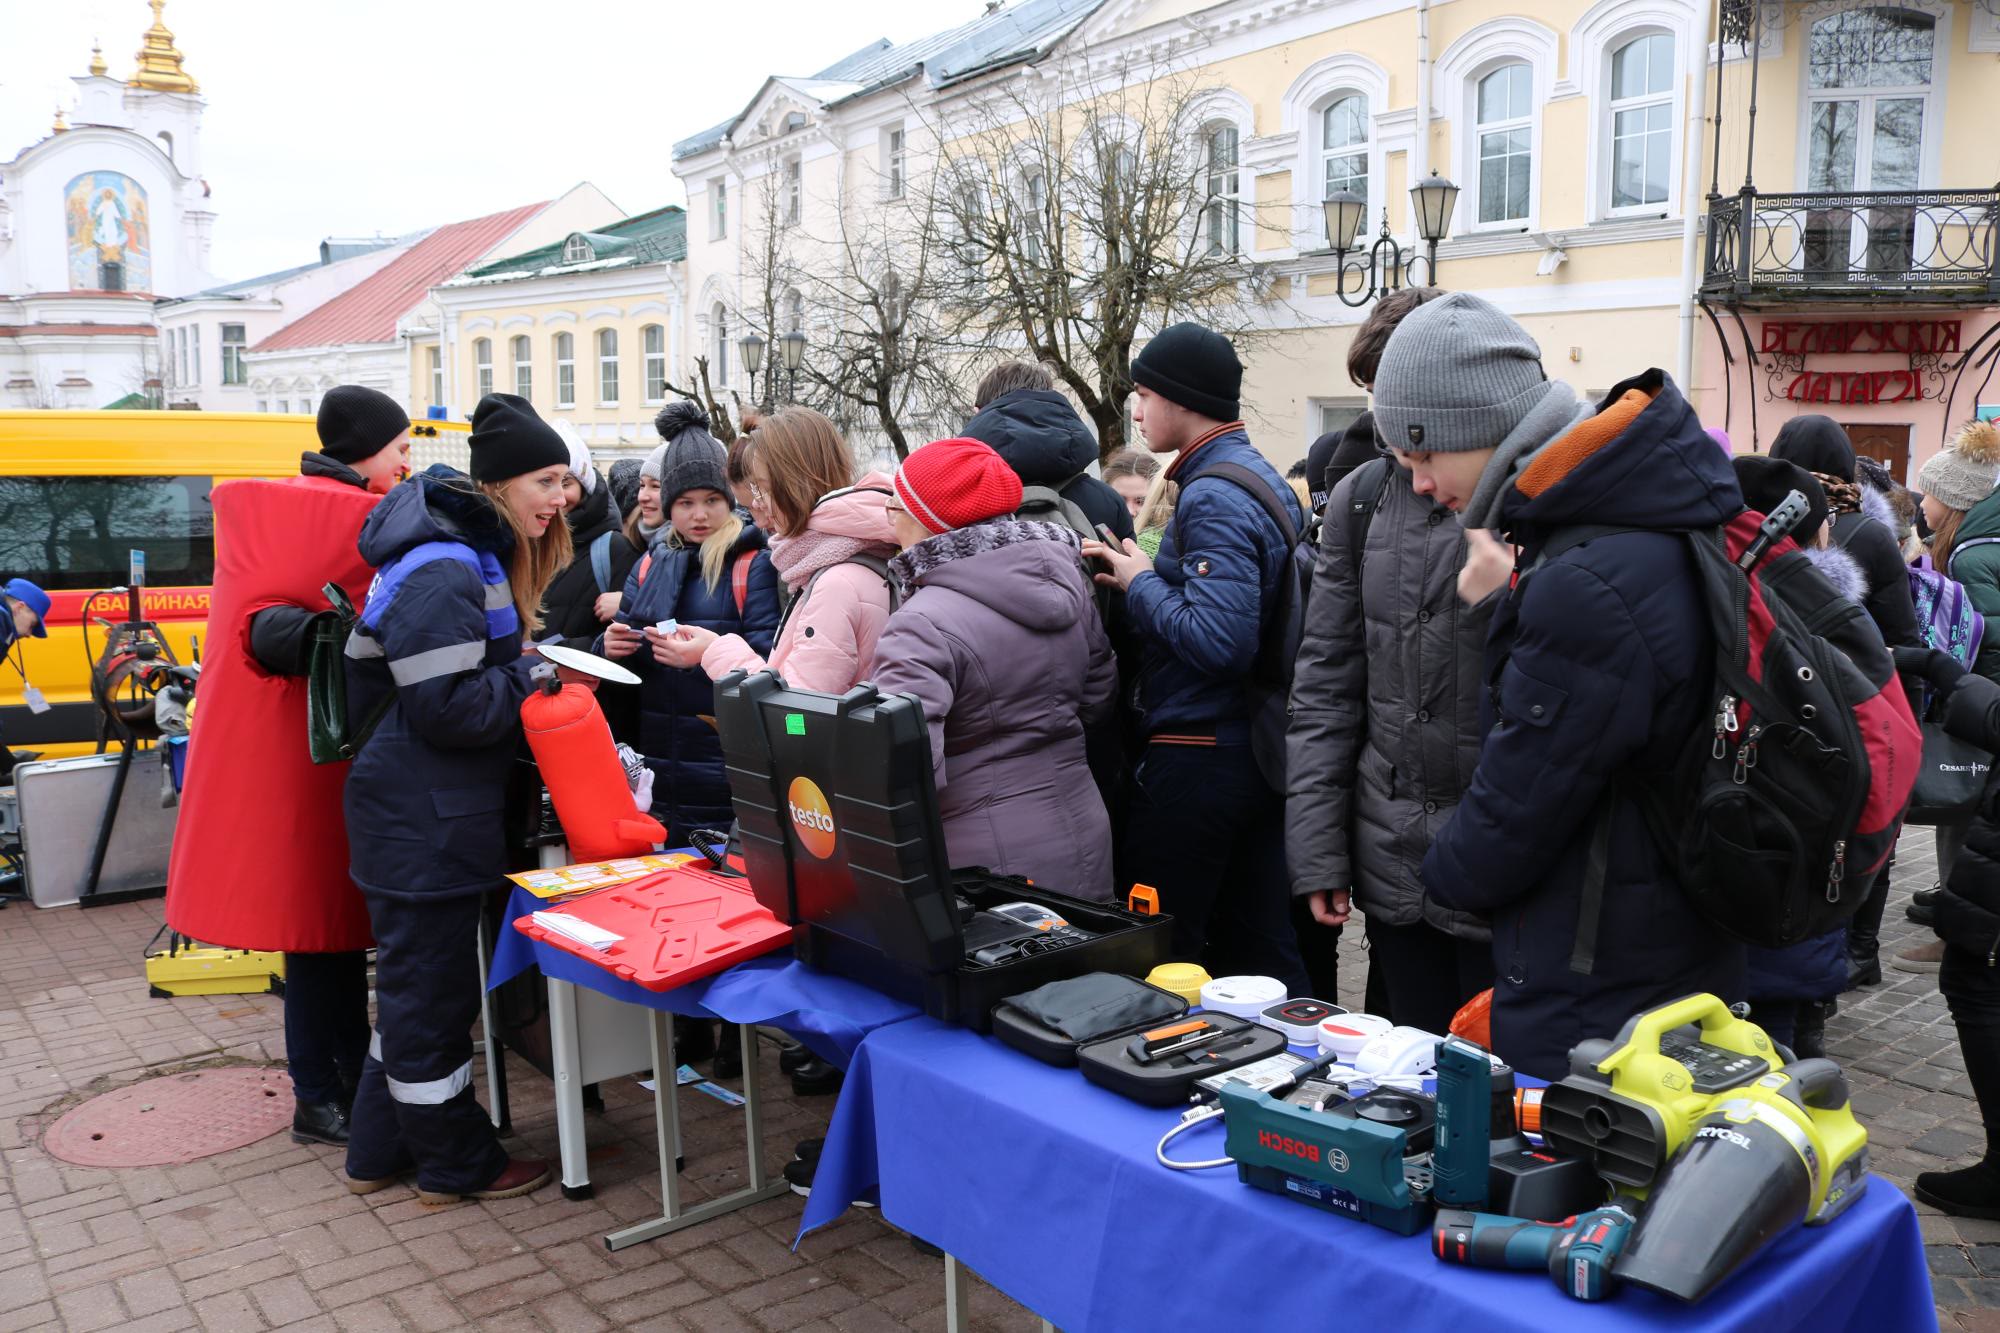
(1767, 1155)
(1366, 1158)
(1578, 1252)
(1464, 1114)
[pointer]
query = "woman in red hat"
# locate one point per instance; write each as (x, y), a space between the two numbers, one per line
(998, 637)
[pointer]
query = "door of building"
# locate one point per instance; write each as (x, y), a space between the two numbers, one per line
(1888, 445)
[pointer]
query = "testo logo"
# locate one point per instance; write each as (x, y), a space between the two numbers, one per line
(812, 817)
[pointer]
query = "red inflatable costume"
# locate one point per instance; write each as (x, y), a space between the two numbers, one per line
(260, 854)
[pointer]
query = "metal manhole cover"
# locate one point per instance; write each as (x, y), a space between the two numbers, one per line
(174, 1119)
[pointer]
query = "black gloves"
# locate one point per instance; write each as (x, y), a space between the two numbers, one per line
(1940, 669)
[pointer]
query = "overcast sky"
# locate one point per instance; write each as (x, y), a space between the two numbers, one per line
(349, 117)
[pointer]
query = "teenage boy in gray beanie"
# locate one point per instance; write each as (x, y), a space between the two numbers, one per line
(1598, 661)
(1203, 827)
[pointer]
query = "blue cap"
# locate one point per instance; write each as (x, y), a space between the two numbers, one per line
(32, 597)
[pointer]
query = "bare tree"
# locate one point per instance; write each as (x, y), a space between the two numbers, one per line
(721, 422)
(1085, 206)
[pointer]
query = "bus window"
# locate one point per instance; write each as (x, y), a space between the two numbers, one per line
(77, 532)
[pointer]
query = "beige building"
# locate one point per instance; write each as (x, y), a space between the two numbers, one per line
(1597, 201)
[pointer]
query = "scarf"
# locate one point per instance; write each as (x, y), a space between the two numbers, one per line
(1842, 497)
(909, 568)
(1547, 421)
(797, 558)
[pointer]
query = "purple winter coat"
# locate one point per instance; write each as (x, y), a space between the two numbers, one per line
(998, 638)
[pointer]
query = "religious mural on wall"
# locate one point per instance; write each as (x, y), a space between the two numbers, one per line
(109, 230)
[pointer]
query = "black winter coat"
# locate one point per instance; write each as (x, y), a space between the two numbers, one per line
(1968, 911)
(1047, 444)
(1820, 444)
(569, 607)
(1385, 729)
(1598, 667)
(424, 800)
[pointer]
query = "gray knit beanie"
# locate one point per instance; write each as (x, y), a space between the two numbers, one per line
(689, 458)
(1963, 472)
(1458, 374)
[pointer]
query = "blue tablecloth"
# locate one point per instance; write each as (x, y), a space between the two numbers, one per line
(829, 1014)
(1047, 1187)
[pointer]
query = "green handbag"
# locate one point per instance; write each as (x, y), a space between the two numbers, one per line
(331, 735)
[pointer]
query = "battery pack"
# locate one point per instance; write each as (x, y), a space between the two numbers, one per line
(198, 969)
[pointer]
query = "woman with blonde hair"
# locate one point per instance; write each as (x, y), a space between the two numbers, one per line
(831, 542)
(709, 570)
(464, 563)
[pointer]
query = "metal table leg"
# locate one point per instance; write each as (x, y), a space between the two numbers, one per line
(955, 1311)
(566, 1063)
(667, 1123)
(489, 1044)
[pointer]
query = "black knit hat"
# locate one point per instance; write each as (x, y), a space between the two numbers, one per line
(508, 439)
(1766, 481)
(1195, 367)
(356, 422)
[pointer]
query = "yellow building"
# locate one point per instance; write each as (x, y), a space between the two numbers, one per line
(1584, 142)
(588, 328)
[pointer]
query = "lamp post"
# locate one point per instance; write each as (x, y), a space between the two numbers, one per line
(792, 351)
(1386, 265)
(752, 348)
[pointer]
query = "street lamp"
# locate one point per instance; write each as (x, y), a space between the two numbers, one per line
(792, 350)
(752, 348)
(1387, 266)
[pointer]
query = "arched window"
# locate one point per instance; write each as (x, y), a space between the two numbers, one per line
(607, 367)
(653, 339)
(565, 370)
(1343, 146)
(795, 311)
(482, 364)
(576, 250)
(1034, 214)
(1223, 213)
(718, 354)
(1505, 108)
(1642, 122)
(1869, 81)
(524, 367)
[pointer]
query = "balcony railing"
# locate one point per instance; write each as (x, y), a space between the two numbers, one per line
(1866, 246)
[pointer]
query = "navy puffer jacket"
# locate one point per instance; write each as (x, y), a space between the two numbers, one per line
(424, 798)
(676, 705)
(1038, 434)
(1200, 610)
(1597, 669)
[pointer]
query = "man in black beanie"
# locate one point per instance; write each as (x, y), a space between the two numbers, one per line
(364, 439)
(1206, 827)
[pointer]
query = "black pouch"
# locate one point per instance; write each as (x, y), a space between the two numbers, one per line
(1051, 1021)
(1169, 1080)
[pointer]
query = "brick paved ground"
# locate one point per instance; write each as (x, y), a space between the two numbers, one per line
(265, 1237)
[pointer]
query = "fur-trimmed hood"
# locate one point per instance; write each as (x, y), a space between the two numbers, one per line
(1876, 505)
(1027, 571)
(1841, 569)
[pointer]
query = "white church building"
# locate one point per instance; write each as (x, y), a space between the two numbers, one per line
(99, 218)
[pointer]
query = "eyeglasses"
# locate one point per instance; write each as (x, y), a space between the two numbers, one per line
(757, 493)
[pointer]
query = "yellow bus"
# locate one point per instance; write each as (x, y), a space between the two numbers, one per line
(79, 491)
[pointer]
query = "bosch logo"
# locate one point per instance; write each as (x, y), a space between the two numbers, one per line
(812, 817)
(1729, 1136)
(1293, 1147)
(1336, 1160)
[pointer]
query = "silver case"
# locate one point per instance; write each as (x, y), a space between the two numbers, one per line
(61, 804)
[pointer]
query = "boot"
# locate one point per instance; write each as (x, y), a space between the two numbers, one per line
(1973, 1191)
(320, 1122)
(816, 1078)
(728, 1051)
(792, 1058)
(1923, 907)
(1809, 1030)
(1864, 965)
(521, 1175)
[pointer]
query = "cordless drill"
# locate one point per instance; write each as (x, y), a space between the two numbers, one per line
(1577, 1252)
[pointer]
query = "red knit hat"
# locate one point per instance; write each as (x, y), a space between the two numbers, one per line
(950, 483)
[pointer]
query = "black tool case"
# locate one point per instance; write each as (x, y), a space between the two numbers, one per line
(1170, 1082)
(1135, 1005)
(838, 817)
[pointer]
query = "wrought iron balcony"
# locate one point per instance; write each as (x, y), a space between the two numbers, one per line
(1875, 247)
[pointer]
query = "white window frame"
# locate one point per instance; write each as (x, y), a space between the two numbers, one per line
(1602, 30)
(234, 372)
(1348, 406)
(653, 348)
(1303, 118)
(718, 208)
(436, 355)
(718, 341)
(564, 347)
(577, 250)
(1368, 150)
(1928, 153)
(522, 348)
(606, 346)
(895, 148)
(263, 405)
(482, 365)
(1505, 125)
(1481, 50)
(1034, 206)
(194, 356)
(284, 407)
(794, 306)
(1607, 187)
(792, 174)
(1222, 206)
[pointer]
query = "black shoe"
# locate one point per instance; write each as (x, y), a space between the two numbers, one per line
(1863, 969)
(1809, 1032)
(1923, 913)
(1927, 897)
(808, 1150)
(694, 1039)
(320, 1122)
(816, 1078)
(923, 1246)
(792, 1058)
(729, 1052)
(1971, 1192)
(799, 1175)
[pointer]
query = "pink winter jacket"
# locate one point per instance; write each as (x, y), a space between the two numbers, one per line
(828, 642)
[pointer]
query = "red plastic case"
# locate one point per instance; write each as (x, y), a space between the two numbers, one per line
(679, 925)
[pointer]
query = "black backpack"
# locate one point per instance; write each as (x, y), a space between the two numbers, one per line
(1778, 813)
(1278, 650)
(1047, 504)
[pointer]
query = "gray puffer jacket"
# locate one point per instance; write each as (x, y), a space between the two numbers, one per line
(1385, 705)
